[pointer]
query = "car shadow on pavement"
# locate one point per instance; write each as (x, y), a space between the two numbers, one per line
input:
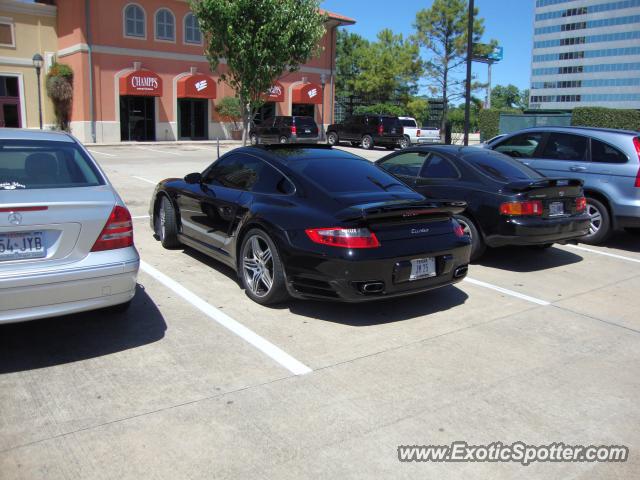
(212, 263)
(380, 311)
(56, 341)
(623, 241)
(525, 259)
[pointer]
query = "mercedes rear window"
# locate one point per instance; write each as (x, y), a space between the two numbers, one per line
(27, 165)
(499, 167)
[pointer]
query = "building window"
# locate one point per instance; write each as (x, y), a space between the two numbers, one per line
(6, 34)
(134, 20)
(165, 25)
(192, 33)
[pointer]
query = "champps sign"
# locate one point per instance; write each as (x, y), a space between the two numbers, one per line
(141, 82)
(148, 84)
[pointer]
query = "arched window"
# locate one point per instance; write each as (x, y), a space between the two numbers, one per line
(134, 21)
(192, 33)
(165, 25)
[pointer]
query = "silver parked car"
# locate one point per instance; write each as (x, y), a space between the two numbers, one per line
(66, 237)
(606, 160)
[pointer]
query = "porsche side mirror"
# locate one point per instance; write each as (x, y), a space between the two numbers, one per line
(193, 178)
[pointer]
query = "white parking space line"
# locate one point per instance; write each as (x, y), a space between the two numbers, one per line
(506, 291)
(160, 151)
(101, 153)
(140, 216)
(612, 255)
(266, 347)
(144, 180)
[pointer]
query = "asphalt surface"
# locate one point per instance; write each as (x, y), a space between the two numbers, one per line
(196, 381)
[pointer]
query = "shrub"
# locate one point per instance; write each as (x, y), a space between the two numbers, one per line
(380, 109)
(489, 122)
(60, 90)
(606, 118)
(230, 108)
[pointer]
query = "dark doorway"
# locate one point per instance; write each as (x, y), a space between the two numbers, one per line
(9, 103)
(137, 119)
(192, 119)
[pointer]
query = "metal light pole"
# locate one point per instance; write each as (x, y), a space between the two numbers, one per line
(467, 100)
(38, 61)
(323, 82)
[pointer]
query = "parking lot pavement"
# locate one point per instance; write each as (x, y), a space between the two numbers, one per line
(539, 346)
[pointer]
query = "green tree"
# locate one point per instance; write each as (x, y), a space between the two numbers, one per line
(505, 97)
(524, 99)
(442, 31)
(389, 67)
(350, 47)
(418, 108)
(381, 109)
(260, 40)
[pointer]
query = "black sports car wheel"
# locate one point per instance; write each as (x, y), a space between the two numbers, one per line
(477, 243)
(262, 272)
(166, 224)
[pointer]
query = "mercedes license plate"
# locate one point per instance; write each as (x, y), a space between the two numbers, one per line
(20, 245)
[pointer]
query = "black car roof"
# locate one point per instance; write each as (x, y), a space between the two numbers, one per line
(286, 153)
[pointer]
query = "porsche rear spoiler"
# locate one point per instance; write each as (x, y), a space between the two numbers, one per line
(525, 185)
(401, 209)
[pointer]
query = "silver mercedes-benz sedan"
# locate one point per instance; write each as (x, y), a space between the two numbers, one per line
(66, 237)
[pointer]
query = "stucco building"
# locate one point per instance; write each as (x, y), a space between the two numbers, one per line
(25, 29)
(140, 73)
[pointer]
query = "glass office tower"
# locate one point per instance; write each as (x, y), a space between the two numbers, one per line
(586, 53)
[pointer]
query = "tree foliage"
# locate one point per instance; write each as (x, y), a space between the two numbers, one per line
(381, 109)
(259, 40)
(442, 31)
(230, 109)
(385, 69)
(509, 96)
(418, 108)
(602, 117)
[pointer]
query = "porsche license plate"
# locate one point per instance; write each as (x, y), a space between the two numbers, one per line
(423, 268)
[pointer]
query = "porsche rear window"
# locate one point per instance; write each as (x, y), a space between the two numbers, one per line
(26, 165)
(501, 167)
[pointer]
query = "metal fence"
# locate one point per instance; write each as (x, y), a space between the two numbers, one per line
(513, 122)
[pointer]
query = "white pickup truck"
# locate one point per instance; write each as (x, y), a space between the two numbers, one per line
(413, 135)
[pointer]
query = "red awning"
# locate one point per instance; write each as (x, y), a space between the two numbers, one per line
(197, 86)
(310, 93)
(275, 93)
(141, 82)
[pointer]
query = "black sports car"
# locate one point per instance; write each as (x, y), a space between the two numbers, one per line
(508, 203)
(312, 222)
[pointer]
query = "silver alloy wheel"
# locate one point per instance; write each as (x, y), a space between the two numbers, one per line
(596, 219)
(405, 143)
(283, 139)
(257, 266)
(366, 142)
(332, 139)
(254, 139)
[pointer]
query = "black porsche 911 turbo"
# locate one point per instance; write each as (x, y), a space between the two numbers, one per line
(310, 221)
(508, 203)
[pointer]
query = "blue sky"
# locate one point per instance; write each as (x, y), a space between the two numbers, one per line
(510, 22)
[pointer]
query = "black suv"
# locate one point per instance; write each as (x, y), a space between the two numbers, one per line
(284, 130)
(368, 131)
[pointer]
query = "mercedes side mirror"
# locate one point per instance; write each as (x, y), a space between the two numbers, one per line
(193, 178)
